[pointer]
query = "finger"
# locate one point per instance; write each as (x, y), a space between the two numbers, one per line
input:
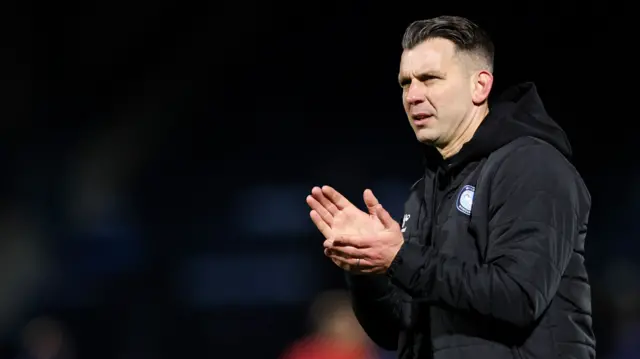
(345, 240)
(371, 201)
(333, 254)
(326, 216)
(386, 219)
(353, 262)
(316, 192)
(352, 265)
(330, 253)
(328, 243)
(348, 252)
(336, 197)
(323, 227)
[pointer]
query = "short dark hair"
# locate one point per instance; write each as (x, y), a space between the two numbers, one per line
(465, 34)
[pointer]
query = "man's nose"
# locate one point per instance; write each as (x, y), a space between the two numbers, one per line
(415, 93)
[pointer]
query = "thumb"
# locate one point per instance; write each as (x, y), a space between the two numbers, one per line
(371, 201)
(386, 218)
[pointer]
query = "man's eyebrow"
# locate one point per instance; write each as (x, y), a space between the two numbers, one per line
(404, 79)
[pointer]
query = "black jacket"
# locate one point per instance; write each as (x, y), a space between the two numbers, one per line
(493, 260)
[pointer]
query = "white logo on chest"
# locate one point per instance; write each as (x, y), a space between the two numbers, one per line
(465, 199)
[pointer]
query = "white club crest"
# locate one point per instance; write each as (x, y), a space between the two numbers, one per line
(465, 199)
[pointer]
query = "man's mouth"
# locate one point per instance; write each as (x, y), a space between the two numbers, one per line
(420, 118)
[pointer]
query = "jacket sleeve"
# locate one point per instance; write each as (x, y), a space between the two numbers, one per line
(378, 306)
(535, 199)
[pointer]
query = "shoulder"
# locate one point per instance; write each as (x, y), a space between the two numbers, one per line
(417, 184)
(532, 156)
(530, 148)
(534, 166)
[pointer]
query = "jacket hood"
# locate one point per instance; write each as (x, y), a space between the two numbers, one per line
(518, 112)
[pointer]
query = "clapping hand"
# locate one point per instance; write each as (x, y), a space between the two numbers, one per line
(354, 240)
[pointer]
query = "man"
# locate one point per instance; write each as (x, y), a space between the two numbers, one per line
(336, 332)
(489, 259)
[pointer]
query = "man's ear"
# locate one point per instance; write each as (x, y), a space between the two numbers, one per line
(481, 84)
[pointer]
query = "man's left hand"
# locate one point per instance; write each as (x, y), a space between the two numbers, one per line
(369, 253)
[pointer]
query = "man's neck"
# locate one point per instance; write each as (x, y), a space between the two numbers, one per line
(465, 132)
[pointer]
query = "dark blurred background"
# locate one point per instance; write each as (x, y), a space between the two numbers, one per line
(156, 156)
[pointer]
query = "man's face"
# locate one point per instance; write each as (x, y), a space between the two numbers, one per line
(436, 90)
